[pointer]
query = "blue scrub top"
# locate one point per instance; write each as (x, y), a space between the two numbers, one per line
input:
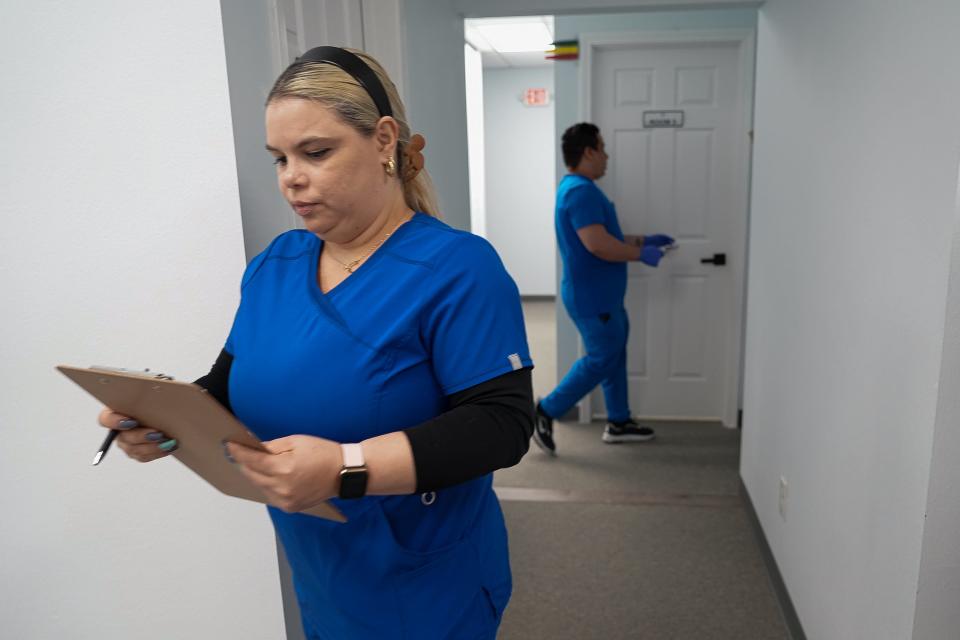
(590, 286)
(430, 313)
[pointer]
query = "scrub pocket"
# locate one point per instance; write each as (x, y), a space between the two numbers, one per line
(440, 594)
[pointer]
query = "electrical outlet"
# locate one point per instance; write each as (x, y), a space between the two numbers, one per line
(783, 498)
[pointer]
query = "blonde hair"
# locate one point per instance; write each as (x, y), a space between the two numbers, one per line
(333, 87)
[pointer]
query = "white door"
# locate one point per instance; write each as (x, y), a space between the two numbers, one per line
(690, 182)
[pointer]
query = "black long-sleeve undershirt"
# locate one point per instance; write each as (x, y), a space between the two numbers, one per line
(486, 427)
(217, 381)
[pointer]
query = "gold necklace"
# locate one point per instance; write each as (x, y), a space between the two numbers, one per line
(350, 266)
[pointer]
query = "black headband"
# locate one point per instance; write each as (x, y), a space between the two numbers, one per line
(355, 67)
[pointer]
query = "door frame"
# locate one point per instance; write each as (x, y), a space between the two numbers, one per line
(745, 39)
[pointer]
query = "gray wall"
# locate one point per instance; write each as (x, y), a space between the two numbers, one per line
(121, 246)
(846, 322)
(436, 100)
(246, 35)
(521, 150)
(938, 587)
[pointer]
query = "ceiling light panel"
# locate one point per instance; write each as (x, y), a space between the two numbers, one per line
(516, 37)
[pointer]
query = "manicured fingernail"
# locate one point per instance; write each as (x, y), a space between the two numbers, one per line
(156, 436)
(226, 452)
(169, 446)
(128, 423)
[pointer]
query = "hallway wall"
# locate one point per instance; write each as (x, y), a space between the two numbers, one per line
(121, 246)
(436, 100)
(853, 220)
(520, 151)
(246, 32)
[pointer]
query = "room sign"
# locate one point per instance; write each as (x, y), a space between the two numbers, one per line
(662, 119)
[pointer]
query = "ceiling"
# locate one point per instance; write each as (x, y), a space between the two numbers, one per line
(514, 42)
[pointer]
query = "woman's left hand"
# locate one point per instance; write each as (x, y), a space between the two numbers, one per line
(297, 473)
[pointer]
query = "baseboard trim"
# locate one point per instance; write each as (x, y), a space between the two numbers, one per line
(790, 618)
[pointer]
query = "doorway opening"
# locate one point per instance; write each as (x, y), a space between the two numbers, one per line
(512, 144)
(512, 159)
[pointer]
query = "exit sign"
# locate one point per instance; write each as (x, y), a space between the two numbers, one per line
(536, 98)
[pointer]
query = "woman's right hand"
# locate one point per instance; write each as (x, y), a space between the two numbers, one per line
(140, 443)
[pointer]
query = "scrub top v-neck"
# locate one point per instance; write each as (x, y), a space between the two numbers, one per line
(431, 312)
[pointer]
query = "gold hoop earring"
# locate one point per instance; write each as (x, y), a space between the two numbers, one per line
(391, 167)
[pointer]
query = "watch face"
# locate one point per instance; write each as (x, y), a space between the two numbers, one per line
(353, 483)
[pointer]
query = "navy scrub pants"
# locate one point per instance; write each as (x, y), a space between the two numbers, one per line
(605, 340)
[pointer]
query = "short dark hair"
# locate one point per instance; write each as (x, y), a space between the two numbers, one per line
(577, 138)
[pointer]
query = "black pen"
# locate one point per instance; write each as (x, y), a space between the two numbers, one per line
(106, 445)
(146, 373)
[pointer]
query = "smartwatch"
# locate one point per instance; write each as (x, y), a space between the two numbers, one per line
(353, 475)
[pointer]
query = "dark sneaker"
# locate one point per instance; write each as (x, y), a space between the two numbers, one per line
(543, 431)
(628, 431)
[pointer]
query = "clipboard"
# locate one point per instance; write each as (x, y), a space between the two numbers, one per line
(188, 413)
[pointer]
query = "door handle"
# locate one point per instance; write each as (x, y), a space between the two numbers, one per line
(718, 260)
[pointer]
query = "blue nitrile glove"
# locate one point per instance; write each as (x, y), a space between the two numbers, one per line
(651, 256)
(657, 240)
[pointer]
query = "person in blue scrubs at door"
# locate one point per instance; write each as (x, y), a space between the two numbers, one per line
(595, 254)
(381, 356)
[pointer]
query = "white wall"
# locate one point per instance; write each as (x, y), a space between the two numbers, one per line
(473, 75)
(521, 149)
(121, 245)
(853, 217)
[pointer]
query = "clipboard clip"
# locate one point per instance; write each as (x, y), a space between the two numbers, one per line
(146, 373)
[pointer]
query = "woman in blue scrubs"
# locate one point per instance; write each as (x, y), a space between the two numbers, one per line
(381, 356)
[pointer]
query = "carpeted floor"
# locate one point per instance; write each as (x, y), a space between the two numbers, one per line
(646, 540)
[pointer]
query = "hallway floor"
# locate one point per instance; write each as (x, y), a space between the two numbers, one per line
(646, 540)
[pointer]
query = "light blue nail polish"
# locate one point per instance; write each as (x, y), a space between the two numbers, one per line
(128, 423)
(168, 446)
(226, 452)
(156, 436)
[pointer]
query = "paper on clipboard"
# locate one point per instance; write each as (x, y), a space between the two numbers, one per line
(188, 413)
